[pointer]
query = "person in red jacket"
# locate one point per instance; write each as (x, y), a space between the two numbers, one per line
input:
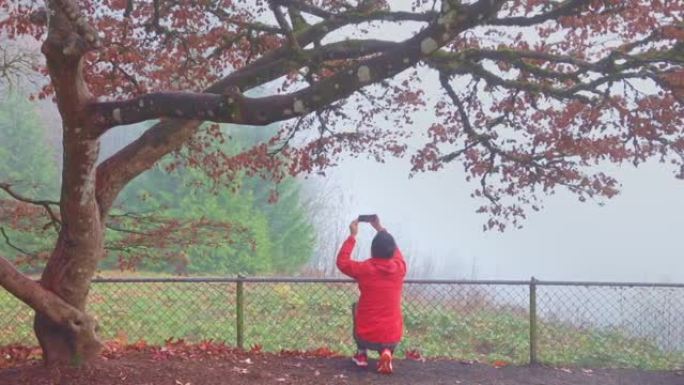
(378, 323)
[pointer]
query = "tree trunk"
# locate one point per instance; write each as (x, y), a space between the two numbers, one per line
(74, 342)
(65, 345)
(79, 248)
(66, 334)
(80, 245)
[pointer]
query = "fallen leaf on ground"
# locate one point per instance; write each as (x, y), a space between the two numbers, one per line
(414, 355)
(500, 364)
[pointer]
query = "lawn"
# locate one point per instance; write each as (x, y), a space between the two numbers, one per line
(309, 315)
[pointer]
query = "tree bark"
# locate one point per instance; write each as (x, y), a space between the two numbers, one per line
(66, 334)
(79, 248)
(80, 245)
(68, 275)
(73, 262)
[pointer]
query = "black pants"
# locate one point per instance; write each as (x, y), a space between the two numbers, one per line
(362, 344)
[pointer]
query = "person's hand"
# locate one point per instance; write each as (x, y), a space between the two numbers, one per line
(354, 228)
(376, 224)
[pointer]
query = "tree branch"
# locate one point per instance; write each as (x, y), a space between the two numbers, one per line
(285, 26)
(167, 136)
(46, 204)
(283, 60)
(12, 245)
(233, 107)
(565, 8)
(305, 7)
(225, 17)
(41, 300)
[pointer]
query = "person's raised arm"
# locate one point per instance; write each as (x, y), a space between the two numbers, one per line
(344, 261)
(376, 224)
(397, 253)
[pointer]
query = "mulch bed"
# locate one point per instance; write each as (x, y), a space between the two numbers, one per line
(212, 365)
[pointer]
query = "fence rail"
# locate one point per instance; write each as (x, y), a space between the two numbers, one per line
(591, 324)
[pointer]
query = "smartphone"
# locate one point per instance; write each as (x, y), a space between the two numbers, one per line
(367, 218)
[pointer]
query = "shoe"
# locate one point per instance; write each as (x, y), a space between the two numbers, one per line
(361, 360)
(385, 363)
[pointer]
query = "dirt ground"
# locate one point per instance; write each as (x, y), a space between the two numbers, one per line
(153, 368)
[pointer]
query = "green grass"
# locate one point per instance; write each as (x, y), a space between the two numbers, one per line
(307, 316)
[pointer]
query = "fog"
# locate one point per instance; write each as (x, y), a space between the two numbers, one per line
(635, 236)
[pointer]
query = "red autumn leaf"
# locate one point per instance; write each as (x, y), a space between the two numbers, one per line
(414, 355)
(500, 364)
(673, 32)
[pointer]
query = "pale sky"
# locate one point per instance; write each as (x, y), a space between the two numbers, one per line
(635, 236)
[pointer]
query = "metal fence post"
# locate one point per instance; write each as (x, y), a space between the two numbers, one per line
(533, 321)
(239, 312)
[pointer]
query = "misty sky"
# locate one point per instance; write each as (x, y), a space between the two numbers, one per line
(635, 236)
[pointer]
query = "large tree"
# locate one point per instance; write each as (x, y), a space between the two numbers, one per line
(534, 94)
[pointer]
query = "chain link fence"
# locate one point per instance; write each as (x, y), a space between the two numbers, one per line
(614, 325)
(559, 323)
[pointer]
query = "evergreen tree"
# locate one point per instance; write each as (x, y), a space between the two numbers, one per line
(266, 237)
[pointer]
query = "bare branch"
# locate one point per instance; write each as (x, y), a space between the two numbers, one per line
(13, 246)
(564, 8)
(16, 65)
(285, 26)
(305, 7)
(127, 231)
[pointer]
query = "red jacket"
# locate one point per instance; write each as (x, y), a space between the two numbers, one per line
(378, 313)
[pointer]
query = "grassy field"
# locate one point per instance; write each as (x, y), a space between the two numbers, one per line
(307, 315)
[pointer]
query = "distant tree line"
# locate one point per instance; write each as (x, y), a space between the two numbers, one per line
(170, 219)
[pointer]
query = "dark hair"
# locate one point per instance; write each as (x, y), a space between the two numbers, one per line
(383, 245)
